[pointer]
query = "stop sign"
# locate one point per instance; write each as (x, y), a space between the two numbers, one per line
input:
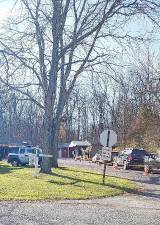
(108, 138)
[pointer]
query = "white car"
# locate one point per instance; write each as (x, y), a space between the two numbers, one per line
(97, 158)
(20, 155)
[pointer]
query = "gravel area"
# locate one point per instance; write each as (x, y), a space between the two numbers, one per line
(126, 209)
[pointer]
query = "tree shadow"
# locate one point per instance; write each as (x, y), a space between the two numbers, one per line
(62, 183)
(76, 180)
(8, 169)
(152, 180)
(75, 170)
(149, 193)
(153, 192)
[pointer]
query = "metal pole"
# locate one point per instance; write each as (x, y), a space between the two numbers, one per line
(105, 161)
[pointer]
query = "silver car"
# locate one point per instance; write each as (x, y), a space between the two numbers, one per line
(152, 163)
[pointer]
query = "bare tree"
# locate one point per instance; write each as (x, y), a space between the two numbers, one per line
(47, 48)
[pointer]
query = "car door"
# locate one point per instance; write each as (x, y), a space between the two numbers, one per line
(23, 158)
(30, 151)
(138, 156)
(120, 158)
(156, 163)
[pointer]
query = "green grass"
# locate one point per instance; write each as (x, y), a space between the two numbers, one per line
(65, 183)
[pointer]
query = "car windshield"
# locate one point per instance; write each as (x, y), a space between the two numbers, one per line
(125, 152)
(138, 152)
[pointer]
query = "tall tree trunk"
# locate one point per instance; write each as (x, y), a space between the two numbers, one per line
(50, 146)
(50, 133)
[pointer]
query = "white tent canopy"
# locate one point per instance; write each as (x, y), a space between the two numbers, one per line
(80, 143)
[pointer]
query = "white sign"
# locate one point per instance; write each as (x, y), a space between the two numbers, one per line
(108, 138)
(48, 156)
(32, 160)
(106, 153)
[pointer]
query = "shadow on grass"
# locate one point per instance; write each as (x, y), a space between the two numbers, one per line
(63, 183)
(7, 169)
(81, 171)
(76, 180)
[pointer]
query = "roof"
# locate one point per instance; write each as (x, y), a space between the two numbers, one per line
(63, 145)
(12, 141)
(80, 143)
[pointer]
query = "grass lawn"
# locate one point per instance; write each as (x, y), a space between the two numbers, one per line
(18, 183)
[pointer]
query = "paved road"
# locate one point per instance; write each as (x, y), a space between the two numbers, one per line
(122, 210)
(127, 209)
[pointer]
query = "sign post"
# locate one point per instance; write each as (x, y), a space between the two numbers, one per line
(33, 161)
(107, 138)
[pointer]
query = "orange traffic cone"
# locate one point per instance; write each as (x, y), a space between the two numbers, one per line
(146, 171)
(115, 166)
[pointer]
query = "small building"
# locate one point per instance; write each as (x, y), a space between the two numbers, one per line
(67, 150)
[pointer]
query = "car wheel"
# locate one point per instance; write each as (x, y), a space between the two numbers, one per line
(125, 165)
(15, 163)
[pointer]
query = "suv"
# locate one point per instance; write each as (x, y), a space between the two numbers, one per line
(20, 155)
(131, 157)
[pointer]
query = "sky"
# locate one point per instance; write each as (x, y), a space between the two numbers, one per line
(6, 7)
(135, 27)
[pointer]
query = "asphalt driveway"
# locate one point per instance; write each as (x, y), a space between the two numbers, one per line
(125, 210)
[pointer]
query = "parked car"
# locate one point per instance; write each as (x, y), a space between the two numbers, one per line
(113, 156)
(131, 157)
(3, 152)
(1, 156)
(152, 164)
(97, 158)
(20, 155)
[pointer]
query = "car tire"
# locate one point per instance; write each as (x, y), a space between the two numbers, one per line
(125, 165)
(15, 163)
(40, 164)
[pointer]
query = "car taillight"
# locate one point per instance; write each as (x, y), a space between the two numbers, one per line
(129, 157)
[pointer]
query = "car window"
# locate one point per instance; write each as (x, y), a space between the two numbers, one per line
(114, 153)
(157, 156)
(30, 150)
(2, 150)
(128, 152)
(22, 150)
(39, 151)
(138, 152)
(121, 153)
(13, 150)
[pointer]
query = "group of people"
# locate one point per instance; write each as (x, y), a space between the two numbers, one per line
(79, 154)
